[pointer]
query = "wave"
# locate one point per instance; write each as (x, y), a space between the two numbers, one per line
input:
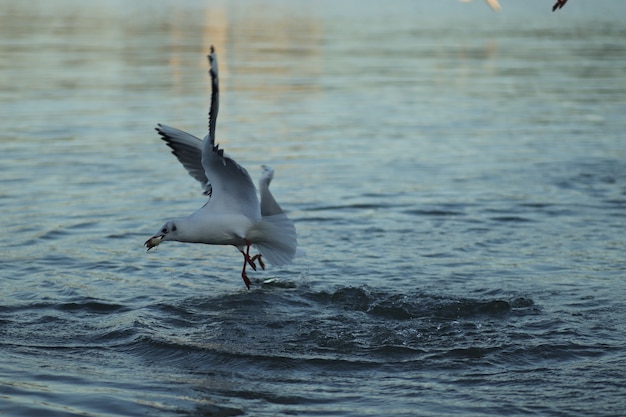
(408, 306)
(281, 325)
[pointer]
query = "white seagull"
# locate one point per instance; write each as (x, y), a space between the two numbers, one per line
(233, 214)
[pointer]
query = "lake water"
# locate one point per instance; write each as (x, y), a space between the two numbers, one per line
(457, 178)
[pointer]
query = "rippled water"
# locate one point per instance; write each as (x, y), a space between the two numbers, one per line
(457, 178)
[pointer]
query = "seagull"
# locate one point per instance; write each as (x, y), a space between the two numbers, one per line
(495, 6)
(558, 5)
(233, 214)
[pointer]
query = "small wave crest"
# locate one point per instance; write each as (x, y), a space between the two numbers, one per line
(409, 306)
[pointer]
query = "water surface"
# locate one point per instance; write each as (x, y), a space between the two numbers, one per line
(457, 178)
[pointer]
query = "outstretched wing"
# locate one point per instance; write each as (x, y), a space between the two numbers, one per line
(188, 149)
(269, 206)
(232, 188)
(277, 239)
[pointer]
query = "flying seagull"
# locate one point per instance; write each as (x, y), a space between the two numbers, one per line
(233, 214)
(559, 4)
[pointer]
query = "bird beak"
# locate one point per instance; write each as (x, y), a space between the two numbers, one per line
(154, 241)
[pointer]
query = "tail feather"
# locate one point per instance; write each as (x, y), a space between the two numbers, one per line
(275, 238)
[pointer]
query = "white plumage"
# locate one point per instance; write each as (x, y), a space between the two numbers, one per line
(233, 214)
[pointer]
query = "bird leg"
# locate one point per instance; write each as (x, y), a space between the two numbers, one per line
(247, 261)
(247, 255)
(244, 276)
(257, 257)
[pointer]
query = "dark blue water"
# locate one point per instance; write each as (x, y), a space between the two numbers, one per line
(457, 178)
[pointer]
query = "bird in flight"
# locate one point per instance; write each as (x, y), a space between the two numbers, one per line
(233, 215)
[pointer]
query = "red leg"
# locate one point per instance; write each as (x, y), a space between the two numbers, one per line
(244, 276)
(246, 261)
(257, 257)
(250, 260)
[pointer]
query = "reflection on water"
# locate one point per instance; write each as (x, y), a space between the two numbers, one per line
(456, 177)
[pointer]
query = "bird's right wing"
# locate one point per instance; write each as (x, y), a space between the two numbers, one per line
(188, 149)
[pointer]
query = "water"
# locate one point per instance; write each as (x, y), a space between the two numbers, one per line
(457, 178)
